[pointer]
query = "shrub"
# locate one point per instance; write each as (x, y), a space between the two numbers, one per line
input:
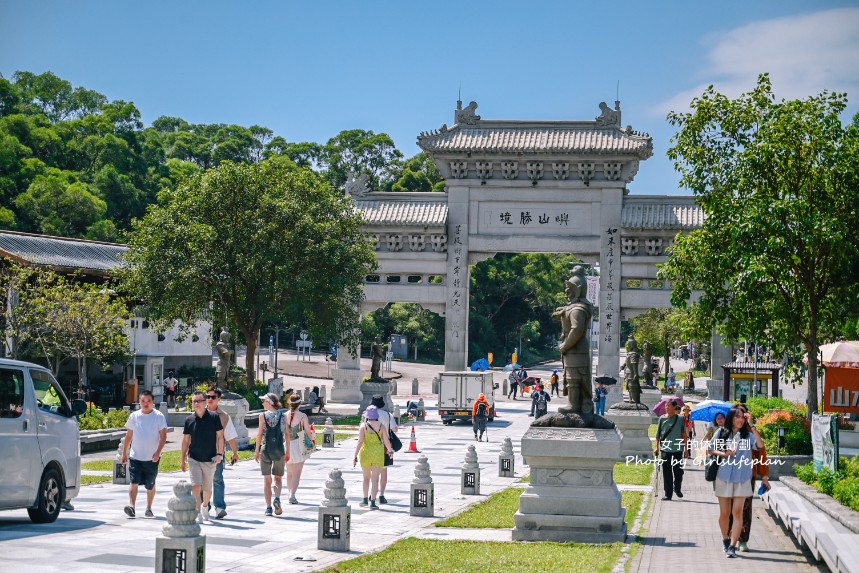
(805, 473)
(797, 435)
(759, 407)
(846, 492)
(826, 480)
(117, 418)
(92, 419)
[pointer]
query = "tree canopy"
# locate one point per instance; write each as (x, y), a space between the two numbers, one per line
(257, 242)
(776, 259)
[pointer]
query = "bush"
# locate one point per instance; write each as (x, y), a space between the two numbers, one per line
(797, 435)
(92, 419)
(117, 418)
(846, 492)
(759, 407)
(842, 485)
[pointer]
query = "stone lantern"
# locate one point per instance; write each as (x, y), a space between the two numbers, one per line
(328, 434)
(121, 475)
(470, 473)
(422, 493)
(182, 548)
(334, 515)
(506, 459)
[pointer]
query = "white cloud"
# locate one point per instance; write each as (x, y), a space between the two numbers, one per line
(803, 54)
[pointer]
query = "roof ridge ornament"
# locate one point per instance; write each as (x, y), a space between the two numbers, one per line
(356, 185)
(609, 117)
(466, 116)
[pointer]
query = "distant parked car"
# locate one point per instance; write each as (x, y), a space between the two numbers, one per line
(39, 441)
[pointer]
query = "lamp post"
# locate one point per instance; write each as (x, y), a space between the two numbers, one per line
(781, 442)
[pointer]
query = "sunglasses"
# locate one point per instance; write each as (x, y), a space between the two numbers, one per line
(197, 401)
(211, 397)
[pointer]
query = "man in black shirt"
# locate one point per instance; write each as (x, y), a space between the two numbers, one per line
(203, 443)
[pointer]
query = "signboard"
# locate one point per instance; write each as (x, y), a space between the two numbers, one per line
(824, 440)
(489, 357)
(841, 390)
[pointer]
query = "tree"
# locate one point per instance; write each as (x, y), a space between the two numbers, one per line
(360, 151)
(662, 327)
(776, 257)
(258, 242)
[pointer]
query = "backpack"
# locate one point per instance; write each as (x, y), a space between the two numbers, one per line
(542, 406)
(274, 448)
(481, 409)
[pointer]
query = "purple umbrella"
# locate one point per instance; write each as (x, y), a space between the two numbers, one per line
(659, 409)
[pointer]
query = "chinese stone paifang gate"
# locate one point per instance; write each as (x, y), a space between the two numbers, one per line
(521, 187)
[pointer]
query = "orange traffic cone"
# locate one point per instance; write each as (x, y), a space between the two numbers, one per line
(413, 444)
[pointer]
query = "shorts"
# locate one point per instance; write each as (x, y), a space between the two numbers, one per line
(269, 467)
(729, 489)
(202, 473)
(143, 472)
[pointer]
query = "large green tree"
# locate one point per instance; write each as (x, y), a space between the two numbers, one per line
(258, 242)
(778, 181)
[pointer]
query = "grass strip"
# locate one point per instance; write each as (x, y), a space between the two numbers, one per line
(632, 473)
(88, 480)
(439, 556)
(169, 462)
(498, 510)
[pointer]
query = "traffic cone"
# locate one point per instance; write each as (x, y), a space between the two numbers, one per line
(413, 444)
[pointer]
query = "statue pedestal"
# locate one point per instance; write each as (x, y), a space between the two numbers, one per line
(236, 407)
(651, 398)
(347, 385)
(572, 495)
(369, 389)
(614, 396)
(633, 426)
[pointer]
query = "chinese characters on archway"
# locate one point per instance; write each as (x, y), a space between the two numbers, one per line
(608, 313)
(536, 218)
(458, 278)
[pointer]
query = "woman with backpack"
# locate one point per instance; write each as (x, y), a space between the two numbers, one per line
(271, 451)
(296, 422)
(373, 442)
(479, 414)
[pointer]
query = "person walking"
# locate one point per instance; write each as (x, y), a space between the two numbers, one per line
(715, 426)
(145, 436)
(554, 382)
(760, 470)
(734, 445)
(171, 385)
(600, 393)
(213, 404)
(670, 442)
(390, 425)
(522, 375)
(479, 414)
(514, 384)
(373, 443)
(297, 422)
(202, 450)
(539, 401)
(689, 425)
(271, 451)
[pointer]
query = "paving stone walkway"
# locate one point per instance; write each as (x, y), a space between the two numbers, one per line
(685, 533)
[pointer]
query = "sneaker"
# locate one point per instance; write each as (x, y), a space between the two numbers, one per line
(277, 508)
(743, 546)
(480, 439)
(382, 499)
(268, 511)
(475, 437)
(731, 552)
(292, 500)
(68, 506)
(200, 517)
(666, 498)
(678, 493)
(148, 512)
(220, 513)
(129, 511)
(206, 515)
(373, 504)
(725, 544)
(363, 502)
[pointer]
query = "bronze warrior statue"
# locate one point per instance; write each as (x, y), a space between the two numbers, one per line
(630, 371)
(575, 345)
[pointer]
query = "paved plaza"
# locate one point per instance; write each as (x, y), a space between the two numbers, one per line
(97, 536)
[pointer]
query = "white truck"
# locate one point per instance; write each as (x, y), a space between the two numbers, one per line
(457, 392)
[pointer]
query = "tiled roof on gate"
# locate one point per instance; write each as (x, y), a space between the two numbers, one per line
(403, 213)
(682, 215)
(537, 137)
(61, 252)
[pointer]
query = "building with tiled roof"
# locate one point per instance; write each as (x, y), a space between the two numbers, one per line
(62, 254)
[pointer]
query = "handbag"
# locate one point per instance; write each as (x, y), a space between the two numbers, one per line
(305, 445)
(711, 469)
(396, 444)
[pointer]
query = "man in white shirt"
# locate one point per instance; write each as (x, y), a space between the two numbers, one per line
(390, 424)
(213, 399)
(145, 436)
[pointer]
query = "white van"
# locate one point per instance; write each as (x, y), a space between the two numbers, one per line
(40, 453)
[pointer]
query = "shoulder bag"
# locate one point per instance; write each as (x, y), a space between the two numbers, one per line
(711, 469)
(305, 444)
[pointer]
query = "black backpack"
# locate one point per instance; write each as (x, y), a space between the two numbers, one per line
(274, 448)
(542, 406)
(481, 409)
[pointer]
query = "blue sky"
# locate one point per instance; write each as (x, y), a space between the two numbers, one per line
(308, 70)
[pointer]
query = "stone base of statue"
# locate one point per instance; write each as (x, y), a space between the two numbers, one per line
(236, 407)
(650, 398)
(614, 396)
(346, 387)
(572, 495)
(370, 389)
(633, 421)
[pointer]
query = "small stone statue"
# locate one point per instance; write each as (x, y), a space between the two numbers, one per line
(630, 371)
(181, 513)
(378, 354)
(466, 116)
(223, 348)
(608, 116)
(575, 344)
(356, 185)
(648, 364)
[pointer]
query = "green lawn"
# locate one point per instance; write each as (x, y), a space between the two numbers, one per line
(651, 430)
(87, 480)
(435, 556)
(497, 511)
(632, 473)
(169, 462)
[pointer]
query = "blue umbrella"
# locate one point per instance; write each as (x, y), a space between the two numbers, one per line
(480, 364)
(509, 367)
(705, 411)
